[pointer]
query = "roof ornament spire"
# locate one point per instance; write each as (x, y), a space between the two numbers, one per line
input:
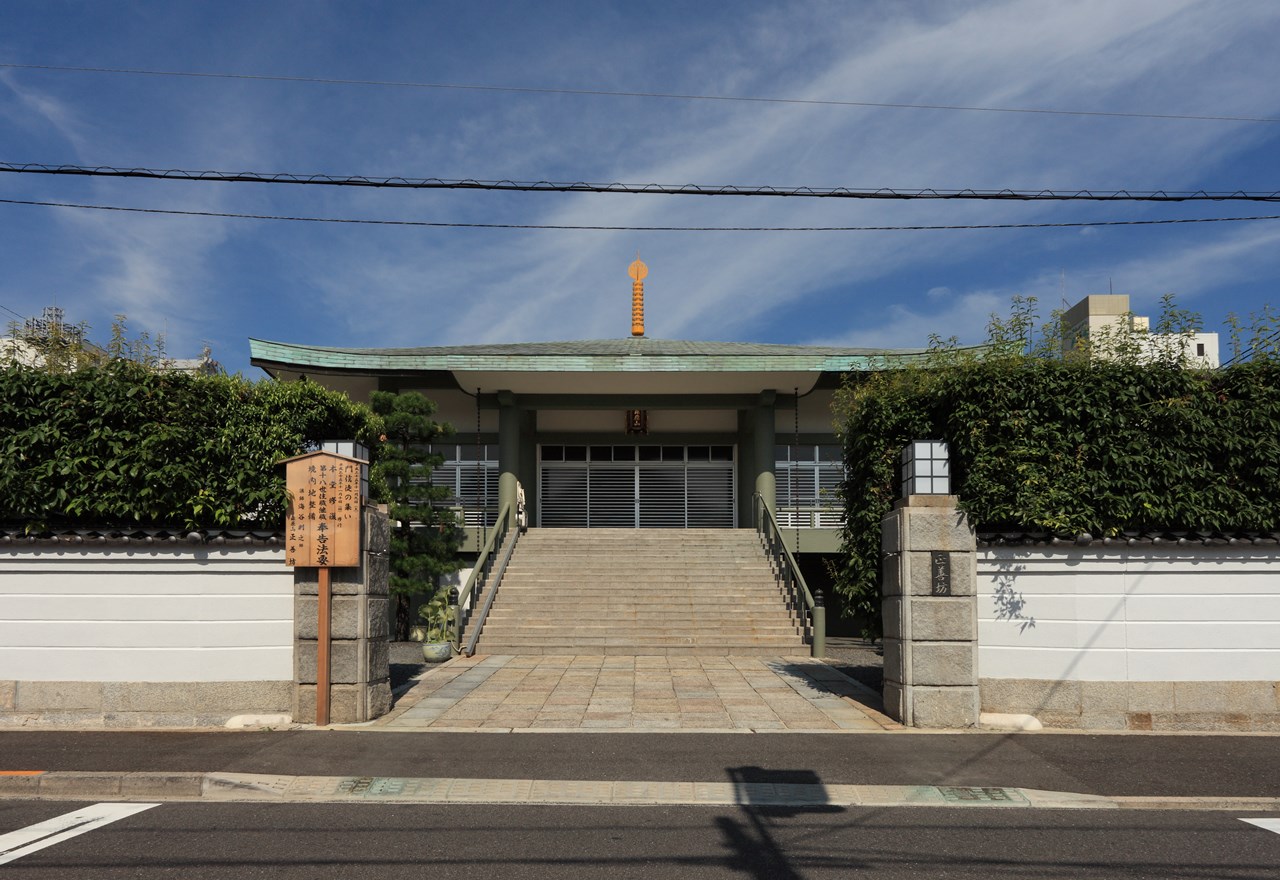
(637, 271)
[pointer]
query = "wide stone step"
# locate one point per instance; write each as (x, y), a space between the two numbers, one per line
(797, 650)
(655, 637)
(603, 558)
(723, 589)
(657, 641)
(642, 539)
(646, 621)
(659, 635)
(725, 576)
(624, 608)
(628, 591)
(632, 600)
(622, 613)
(646, 586)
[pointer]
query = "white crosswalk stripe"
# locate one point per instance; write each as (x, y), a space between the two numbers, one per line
(1268, 824)
(34, 838)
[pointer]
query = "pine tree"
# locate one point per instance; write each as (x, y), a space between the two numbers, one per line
(425, 537)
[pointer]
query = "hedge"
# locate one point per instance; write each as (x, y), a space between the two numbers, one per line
(121, 444)
(1065, 446)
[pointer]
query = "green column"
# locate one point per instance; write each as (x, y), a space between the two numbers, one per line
(508, 451)
(764, 443)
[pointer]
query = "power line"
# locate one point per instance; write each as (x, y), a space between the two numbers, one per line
(445, 225)
(882, 193)
(1252, 348)
(135, 71)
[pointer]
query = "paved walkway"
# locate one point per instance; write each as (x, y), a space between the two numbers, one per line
(600, 692)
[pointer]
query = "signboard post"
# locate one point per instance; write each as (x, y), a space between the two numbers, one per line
(322, 531)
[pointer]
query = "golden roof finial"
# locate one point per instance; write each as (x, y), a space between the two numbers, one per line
(637, 271)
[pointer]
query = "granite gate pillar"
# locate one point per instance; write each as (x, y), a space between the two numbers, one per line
(929, 575)
(360, 677)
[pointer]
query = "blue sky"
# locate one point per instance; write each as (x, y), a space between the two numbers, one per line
(220, 281)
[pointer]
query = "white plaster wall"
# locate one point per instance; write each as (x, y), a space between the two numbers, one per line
(134, 614)
(1129, 614)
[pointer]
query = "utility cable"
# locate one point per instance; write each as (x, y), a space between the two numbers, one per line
(135, 71)
(1248, 352)
(600, 228)
(1074, 195)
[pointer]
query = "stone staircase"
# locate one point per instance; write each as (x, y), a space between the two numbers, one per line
(640, 591)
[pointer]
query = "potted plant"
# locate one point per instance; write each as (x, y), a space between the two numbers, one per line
(436, 614)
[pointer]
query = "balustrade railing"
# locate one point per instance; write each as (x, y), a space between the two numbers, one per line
(483, 582)
(809, 602)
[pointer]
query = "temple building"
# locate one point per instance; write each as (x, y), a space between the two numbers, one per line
(633, 432)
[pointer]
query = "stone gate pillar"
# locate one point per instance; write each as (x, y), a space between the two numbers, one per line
(929, 576)
(360, 674)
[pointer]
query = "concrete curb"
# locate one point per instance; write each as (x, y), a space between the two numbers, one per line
(252, 787)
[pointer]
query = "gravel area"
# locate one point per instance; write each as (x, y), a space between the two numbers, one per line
(406, 662)
(859, 659)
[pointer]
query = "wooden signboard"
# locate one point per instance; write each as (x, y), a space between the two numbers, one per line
(322, 524)
(322, 530)
(637, 421)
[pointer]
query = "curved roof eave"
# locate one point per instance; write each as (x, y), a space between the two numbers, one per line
(590, 356)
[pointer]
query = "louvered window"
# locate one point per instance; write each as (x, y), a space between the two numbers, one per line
(470, 473)
(647, 486)
(808, 479)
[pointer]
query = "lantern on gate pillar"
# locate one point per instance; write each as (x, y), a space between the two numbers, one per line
(926, 469)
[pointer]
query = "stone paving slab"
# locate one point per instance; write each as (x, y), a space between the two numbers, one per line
(658, 693)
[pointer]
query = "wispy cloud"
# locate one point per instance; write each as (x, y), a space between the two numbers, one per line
(1020, 54)
(381, 286)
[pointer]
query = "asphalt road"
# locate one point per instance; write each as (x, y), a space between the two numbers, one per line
(1175, 766)
(293, 842)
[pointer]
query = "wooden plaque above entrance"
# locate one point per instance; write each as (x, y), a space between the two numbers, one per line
(322, 524)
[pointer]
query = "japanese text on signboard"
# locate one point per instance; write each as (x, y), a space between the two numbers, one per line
(322, 525)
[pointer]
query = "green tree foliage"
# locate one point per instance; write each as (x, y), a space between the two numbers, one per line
(49, 343)
(1124, 436)
(425, 536)
(118, 444)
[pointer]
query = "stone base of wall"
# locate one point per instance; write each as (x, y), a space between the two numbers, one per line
(1138, 705)
(139, 704)
(932, 707)
(348, 703)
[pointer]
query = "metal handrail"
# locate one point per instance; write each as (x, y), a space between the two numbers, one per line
(793, 581)
(479, 574)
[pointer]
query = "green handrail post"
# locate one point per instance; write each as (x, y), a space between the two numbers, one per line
(819, 627)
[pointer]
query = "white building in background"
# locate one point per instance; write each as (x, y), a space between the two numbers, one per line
(18, 351)
(1108, 316)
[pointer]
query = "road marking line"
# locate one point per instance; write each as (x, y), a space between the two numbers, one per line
(21, 772)
(1267, 824)
(34, 838)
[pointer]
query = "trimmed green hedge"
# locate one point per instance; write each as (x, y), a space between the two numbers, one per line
(120, 444)
(1066, 447)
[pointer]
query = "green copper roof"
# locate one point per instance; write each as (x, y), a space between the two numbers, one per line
(592, 356)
